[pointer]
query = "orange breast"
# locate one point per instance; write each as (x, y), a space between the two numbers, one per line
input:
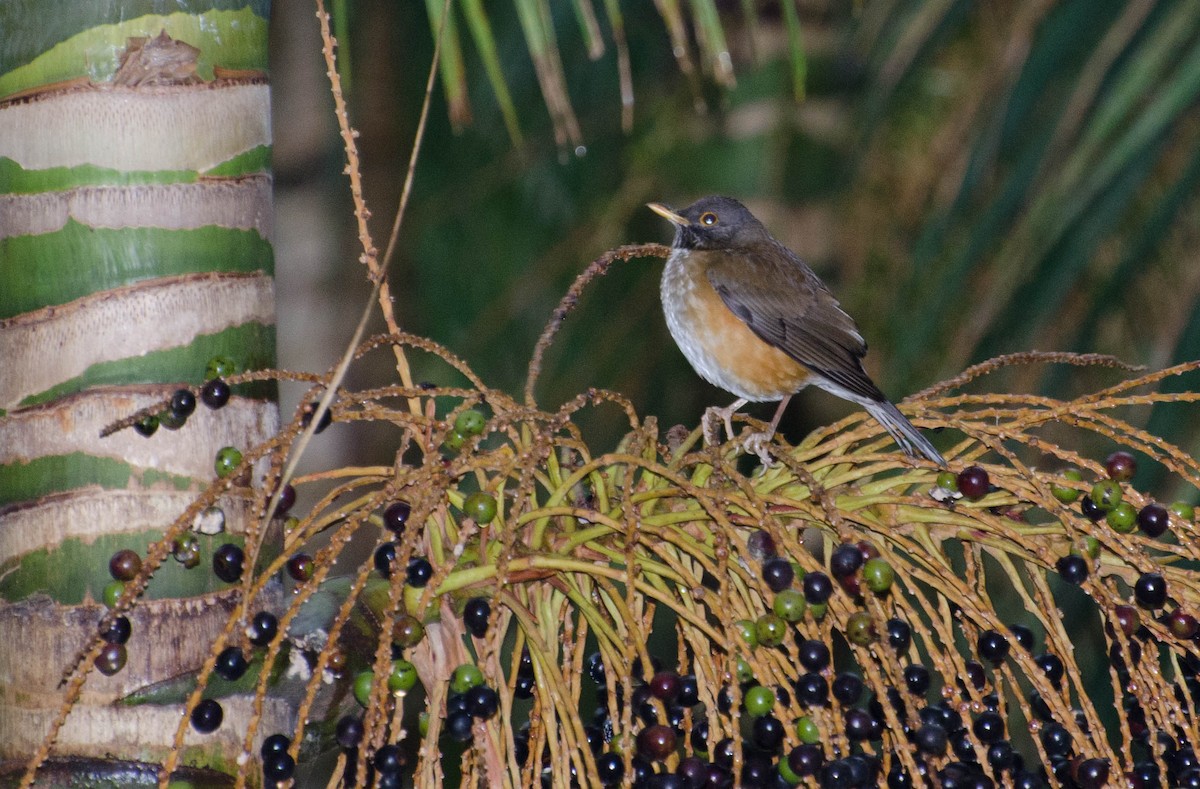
(720, 346)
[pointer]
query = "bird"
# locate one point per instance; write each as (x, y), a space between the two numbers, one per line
(753, 319)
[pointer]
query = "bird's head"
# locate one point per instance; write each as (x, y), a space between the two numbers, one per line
(713, 222)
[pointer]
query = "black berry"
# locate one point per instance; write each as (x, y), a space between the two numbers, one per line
(215, 393)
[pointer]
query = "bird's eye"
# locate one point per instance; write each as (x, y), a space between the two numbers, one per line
(708, 218)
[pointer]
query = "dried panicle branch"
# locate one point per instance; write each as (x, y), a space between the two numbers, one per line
(584, 571)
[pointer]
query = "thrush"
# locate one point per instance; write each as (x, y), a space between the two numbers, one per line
(755, 320)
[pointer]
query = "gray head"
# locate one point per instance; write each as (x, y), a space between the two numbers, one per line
(713, 222)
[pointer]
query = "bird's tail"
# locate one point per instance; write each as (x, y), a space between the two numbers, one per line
(903, 431)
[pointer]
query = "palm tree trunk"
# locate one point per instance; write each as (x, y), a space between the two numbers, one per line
(135, 227)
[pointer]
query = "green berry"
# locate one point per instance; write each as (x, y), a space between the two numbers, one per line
(947, 480)
(818, 610)
(228, 459)
(480, 507)
(743, 670)
(470, 423)
(1106, 494)
(878, 575)
(785, 772)
(807, 731)
(219, 367)
(790, 605)
(860, 629)
(403, 676)
(759, 700)
(1122, 517)
(454, 441)
(771, 630)
(363, 682)
(423, 723)
(748, 632)
(1183, 511)
(112, 593)
(1065, 493)
(465, 677)
(1088, 546)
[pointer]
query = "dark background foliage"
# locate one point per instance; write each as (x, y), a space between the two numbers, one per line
(970, 178)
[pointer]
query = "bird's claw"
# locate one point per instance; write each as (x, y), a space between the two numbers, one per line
(712, 428)
(758, 443)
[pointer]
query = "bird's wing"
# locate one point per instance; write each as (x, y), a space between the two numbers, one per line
(787, 306)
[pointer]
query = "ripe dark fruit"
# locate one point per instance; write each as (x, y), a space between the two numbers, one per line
(931, 739)
(917, 679)
(228, 562)
(768, 733)
(778, 574)
(418, 572)
(805, 760)
(1127, 619)
(992, 646)
(814, 655)
(482, 702)
(861, 725)
(475, 616)
(396, 515)
(116, 630)
(146, 426)
(1151, 590)
(1052, 666)
(1090, 509)
(301, 567)
(309, 409)
(845, 560)
(1182, 625)
(611, 768)
(1091, 773)
(349, 731)
(1153, 520)
(459, 726)
(973, 482)
(1056, 740)
(1022, 635)
(389, 760)
(111, 659)
(183, 403)
(817, 587)
(215, 393)
(761, 545)
(263, 629)
(207, 716)
(1120, 466)
(899, 634)
(231, 664)
(385, 558)
(656, 742)
(276, 743)
(125, 565)
(1072, 568)
(665, 685)
(278, 767)
(989, 727)
(847, 688)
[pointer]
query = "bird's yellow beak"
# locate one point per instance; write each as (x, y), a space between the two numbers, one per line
(668, 214)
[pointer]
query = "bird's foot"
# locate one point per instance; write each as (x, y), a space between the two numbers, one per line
(713, 419)
(758, 443)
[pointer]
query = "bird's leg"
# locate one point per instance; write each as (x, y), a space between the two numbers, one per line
(757, 442)
(712, 432)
